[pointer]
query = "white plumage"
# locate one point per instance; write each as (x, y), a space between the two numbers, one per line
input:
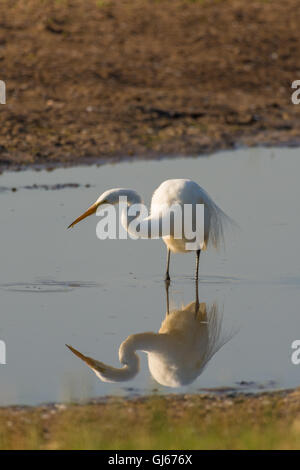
(185, 191)
(187, 339)
(171, 192)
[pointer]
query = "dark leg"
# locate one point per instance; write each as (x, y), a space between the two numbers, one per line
(196, 297)
(167, 284)
(197, 263)
(167, 278)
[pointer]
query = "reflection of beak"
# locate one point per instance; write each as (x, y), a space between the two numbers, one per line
(88, 360)
(91, 210)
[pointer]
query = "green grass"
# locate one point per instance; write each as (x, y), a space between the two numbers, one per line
(157, 423)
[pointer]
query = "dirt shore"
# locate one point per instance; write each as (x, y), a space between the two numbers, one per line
(205, 421)
(105, 79)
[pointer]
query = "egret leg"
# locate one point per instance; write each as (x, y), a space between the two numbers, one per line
(167, 284)
(167, 278)
(196, 297)
(197, 263)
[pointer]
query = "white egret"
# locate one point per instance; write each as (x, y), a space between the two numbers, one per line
(187, 339)
(171, 192)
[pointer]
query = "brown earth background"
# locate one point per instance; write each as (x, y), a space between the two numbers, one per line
(98, 79)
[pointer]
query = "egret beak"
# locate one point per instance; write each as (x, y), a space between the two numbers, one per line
(88, 360)
(91, 210)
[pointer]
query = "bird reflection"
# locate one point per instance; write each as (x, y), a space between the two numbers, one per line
(186, 341)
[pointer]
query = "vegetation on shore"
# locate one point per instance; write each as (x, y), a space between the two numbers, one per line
(209, 421)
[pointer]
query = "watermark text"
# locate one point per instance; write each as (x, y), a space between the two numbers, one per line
(295, 357)
(2, 352)
(181, 222)
(2, 92)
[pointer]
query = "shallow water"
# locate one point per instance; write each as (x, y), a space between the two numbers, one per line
(62, 286)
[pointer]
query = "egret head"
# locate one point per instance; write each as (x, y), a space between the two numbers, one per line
(108, 373)
(111, 196)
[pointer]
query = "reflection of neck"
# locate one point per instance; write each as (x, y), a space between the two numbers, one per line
(128, 357)
(113, 374)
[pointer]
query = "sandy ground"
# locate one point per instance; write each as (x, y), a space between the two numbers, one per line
(106, 79)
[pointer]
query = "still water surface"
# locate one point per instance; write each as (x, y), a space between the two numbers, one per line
(62, 286)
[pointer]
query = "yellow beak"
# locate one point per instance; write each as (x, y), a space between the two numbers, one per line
(88, 360)
(91, 210)
(92, 363)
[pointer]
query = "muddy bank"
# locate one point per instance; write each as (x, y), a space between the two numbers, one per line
(109, 79)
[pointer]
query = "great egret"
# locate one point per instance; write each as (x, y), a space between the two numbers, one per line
(170, 193)
(187, 339)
